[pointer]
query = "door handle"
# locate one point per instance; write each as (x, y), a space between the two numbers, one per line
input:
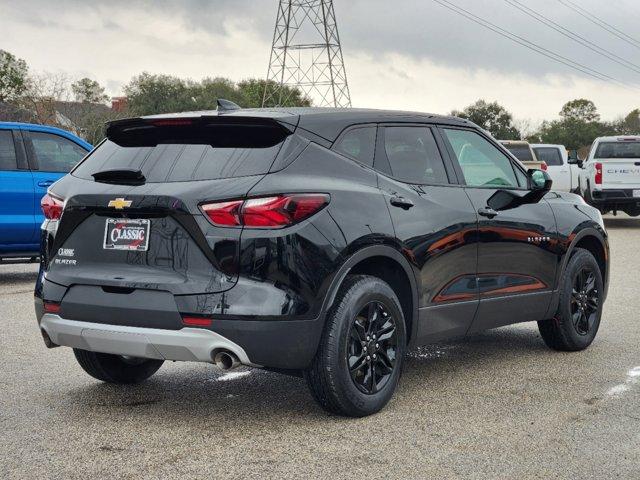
(401, 202)
(46, 183)
(487, 212)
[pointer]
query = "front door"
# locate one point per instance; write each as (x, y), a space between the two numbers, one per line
(516, 247)
(436, 225)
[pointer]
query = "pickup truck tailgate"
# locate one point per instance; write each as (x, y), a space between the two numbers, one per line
(620, 172)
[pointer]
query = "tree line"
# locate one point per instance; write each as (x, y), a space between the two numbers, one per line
(81, 105)
(55, 99)
(579, 124)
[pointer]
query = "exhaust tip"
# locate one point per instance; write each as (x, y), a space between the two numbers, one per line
(226, 360)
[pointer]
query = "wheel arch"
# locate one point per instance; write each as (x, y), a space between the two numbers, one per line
(389, 265)
(594, 241)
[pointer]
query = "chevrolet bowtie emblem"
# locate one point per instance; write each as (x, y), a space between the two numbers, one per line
(120, 203)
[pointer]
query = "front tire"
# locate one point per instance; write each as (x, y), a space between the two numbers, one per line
(358, 364)
(580, 306)
(116, 368)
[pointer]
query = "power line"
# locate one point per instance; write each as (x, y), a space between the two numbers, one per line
(601, 23)
(574, 36)
(528, 44)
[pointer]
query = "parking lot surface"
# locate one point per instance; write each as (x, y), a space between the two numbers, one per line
(496, 405)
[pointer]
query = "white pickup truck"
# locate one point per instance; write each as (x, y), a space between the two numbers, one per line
(610, 176)
(564, 172)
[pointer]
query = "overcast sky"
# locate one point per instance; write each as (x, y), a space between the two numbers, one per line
(405, 54)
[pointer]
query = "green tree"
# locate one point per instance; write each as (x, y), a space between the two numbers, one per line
(253, 92)
(86, 90)
(149, 94)
(578, 126)
(580, 109)
(492, 117)
(14, 77)
(631, 123)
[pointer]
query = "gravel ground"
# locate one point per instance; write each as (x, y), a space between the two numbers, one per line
(496, 405)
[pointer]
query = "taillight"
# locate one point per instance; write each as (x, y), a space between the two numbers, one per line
(598, 177)
(266, 212)
(543, 166)
(51, 307)
(190, 321)
(51, 207)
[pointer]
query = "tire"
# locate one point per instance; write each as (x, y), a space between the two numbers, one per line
(632, 212)
(570, 330)
(330, 379)
(115, 368)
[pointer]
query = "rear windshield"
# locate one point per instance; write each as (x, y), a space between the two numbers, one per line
(522, 153)
(179, 162)
(549, 155)
(618, 150)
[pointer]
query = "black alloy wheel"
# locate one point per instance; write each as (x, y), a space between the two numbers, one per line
(585, 301)
(372, 347)
(581, 294)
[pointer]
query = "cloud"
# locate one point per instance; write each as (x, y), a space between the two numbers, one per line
(403, 53)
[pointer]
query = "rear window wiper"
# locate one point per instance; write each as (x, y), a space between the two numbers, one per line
(122, 176)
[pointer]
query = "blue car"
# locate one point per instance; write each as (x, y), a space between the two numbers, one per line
(32, 158)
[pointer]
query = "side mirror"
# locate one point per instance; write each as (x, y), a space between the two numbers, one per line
(538, 180)
(575, 161)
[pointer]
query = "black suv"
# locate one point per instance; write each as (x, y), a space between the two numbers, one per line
(318, 241)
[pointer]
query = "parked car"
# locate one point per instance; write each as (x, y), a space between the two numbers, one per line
(564, 172)
(321, 241)
(523, 152)
(32, 157)
(610, 177)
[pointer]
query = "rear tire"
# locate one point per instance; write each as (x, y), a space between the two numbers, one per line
(358, 364)
(116, 368)
(577, 319)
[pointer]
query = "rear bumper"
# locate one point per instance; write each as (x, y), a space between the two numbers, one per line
(612, 197)
(187, 344)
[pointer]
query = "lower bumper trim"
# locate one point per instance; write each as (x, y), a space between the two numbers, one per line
(187, 344)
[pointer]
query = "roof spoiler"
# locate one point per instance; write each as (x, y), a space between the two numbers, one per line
(217, 131)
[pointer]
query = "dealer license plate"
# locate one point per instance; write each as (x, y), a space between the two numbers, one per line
(126, 234)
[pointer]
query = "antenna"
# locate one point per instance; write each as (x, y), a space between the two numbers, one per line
(306, 55)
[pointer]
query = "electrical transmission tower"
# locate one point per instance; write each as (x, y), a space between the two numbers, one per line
(306, 55)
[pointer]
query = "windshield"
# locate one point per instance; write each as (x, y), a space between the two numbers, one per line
(618, 150)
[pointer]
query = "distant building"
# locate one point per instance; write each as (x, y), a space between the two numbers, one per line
(118, 104)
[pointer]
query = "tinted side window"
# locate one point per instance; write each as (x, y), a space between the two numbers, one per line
(482, 164)
(7, 151)
(55, 153)
(359, 143)
(413, 155)
(549, 155)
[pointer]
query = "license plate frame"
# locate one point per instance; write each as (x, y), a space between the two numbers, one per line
(130, 239)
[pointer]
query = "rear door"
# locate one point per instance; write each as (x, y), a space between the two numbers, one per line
(51, 157)
(557, 166)
(17, 223)
(516, 248)
(435, 223)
